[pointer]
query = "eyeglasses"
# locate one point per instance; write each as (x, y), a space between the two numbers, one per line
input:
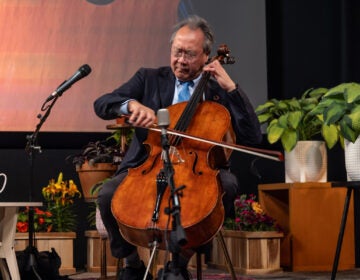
(188, 55)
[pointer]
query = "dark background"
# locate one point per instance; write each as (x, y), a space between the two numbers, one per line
(309, 44)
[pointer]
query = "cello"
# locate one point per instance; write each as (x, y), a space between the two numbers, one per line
(142, 201)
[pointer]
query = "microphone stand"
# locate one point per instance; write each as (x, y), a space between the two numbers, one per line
(31, 149)
(177, 235)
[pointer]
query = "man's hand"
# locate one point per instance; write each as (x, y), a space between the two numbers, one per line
(219, 73)
(140, 115)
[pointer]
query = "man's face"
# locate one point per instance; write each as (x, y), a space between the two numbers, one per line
(187, 56)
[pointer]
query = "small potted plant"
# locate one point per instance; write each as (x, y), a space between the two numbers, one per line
(339, 109)
(54, 223)
(57, 214)
(99, 160)
(251, 225)
(249, 216)
(289, 122)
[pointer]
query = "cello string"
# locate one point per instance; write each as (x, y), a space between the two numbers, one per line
(190, 108)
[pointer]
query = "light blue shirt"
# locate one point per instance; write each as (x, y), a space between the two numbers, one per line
(178, 88)
(124, 108)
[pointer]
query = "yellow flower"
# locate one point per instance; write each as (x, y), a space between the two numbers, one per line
(61, 192)
(60, 178)
(73, 190)
(60, 196)
(257, 208)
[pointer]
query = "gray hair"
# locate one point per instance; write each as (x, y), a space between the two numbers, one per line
(194, 22)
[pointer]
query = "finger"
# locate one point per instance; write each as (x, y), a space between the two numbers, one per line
(145, 118)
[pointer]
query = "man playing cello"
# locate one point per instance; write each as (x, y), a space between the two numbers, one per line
(152, 89)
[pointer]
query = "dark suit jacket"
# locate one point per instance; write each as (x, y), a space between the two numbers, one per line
(154, 88)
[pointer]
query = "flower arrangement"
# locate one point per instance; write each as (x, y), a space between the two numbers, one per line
(249, 216)
(42, 220)
(57, 214)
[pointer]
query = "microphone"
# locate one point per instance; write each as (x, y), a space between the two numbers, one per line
(163, 120)
(81, 73)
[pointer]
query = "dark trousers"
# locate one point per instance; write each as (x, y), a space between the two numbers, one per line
(120, 248)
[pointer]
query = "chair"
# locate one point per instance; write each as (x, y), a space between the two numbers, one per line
(103, 237)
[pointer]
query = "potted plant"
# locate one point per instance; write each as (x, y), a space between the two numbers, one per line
(289, 122)
(249, 216)
(251, 225)
(339, 109)
(99, 160)
(54, 223)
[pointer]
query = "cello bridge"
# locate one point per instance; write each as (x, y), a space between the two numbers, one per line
(174, 154)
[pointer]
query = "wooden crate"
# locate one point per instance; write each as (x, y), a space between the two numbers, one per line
(62, 242)
(94, 253)
(250, 252)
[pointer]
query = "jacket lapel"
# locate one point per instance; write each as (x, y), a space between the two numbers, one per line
(166, 88)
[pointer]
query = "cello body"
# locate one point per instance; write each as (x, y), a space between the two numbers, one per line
(202, 211)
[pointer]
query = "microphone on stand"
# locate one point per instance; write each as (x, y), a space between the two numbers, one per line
(81, 73)
(163, 121)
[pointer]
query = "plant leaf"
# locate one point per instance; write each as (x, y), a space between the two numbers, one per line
(264, 118)
(352, 92)
(334, 113)
(330, 134)
(274, 132)
(289, 140)
(264, 107)
(354, 116)
(347, 131)
(294, 119)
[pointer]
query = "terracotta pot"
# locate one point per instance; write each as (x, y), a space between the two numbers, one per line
(89, 175)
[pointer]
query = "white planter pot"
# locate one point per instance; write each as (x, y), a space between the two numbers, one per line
(352, 159)
(307, 162)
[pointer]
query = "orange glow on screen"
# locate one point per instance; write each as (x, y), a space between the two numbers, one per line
(43, 43)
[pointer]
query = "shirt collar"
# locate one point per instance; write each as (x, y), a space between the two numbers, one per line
(196, 81)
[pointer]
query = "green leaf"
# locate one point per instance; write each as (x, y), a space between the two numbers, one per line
(293, 104)
(264, 107)
(264, 118)
(317, 93)
(274, 132)
(347, 131)
(334, 113)
(294, 119)
(336, 92)
(352, 92)
(289, 140)
(283, 121)
(354, 116)
(282, 105)
(330, 134)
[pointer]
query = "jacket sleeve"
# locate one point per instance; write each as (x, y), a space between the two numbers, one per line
(243, 117)
(108, 105)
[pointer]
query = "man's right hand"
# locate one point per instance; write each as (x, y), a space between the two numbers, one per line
(140, 115)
